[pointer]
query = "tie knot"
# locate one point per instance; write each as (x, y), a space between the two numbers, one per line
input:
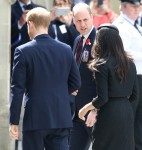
(24, 6)
(82, 37)
(28, 7)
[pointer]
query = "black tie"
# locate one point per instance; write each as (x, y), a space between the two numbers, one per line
(135, 25)
(141, 21)
(24, 6)
(28, 7)
(79, 50)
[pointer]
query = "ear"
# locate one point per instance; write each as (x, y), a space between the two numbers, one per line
(31, 24)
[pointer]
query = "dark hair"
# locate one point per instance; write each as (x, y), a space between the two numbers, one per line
(108, 43)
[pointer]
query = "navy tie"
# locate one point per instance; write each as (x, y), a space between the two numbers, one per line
(135, 25)
(28, 7)
(79, 50)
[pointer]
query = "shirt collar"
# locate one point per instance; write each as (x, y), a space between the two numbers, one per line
(87, 35)
(128, 19)
(22, 4)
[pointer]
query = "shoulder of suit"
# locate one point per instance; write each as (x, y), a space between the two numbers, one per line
(93, 30)
(26, 45)
(92, 33)
(60, 44)
(16, 4)
(77, 38)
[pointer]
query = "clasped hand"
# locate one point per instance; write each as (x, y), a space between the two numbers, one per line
(91, 118)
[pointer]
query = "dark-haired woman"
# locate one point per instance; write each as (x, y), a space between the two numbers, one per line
(116, 83)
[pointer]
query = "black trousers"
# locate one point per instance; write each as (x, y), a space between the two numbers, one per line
(80, 136)
(138, 117)
(52, 139)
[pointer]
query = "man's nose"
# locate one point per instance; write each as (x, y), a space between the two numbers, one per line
(82, 24)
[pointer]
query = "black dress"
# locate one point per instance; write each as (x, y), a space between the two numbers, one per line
(114, 129)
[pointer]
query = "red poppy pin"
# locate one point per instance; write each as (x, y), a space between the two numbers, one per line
(88, 42)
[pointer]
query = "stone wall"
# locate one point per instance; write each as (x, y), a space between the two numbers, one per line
(4, 72)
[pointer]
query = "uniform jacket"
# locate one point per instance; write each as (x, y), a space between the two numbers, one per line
(46, 71)
(131, 38)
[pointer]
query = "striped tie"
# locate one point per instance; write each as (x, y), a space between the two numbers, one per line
(79, 50)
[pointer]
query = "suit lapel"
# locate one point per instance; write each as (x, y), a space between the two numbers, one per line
(87, 47)
(18, 11)
(75, 44)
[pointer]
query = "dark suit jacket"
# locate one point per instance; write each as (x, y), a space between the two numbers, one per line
(46, 71)
(68, 37)
(110, 88)
(16, 13)
(88, 88)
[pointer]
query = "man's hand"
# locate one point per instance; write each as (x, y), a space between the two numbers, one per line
(52, 13)
(74, 93)
(22, 20)
(14, 132)
(67, 19)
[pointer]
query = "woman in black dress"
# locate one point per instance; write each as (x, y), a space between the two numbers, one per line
(116, 84)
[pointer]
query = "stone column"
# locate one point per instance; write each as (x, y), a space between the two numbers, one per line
(4, 73)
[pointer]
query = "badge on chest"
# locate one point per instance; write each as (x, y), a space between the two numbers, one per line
(85, 56)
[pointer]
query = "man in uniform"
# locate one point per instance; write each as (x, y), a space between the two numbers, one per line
(131, 34)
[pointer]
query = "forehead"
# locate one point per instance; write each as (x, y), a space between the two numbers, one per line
(61, 1)
(81, 14)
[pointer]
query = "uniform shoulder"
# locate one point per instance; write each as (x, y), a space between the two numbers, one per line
(120, 20)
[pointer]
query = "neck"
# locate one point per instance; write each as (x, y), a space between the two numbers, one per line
(39, 32)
